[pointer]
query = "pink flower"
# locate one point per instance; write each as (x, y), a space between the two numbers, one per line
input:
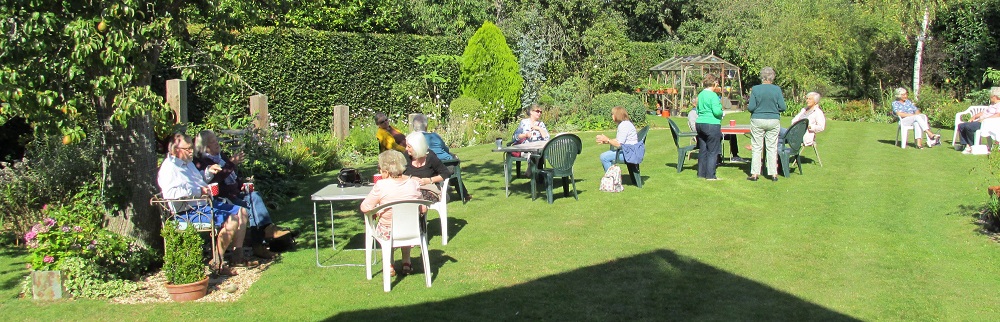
(77, 228)
(45, 207)
(65, 229)
(30, 236)
(48, 259)
(49, 222)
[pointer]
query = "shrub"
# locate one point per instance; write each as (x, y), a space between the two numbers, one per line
(490, 74)
(465, 107)
(940, 107)
(602, 104)
(85, 282)
(182, 259)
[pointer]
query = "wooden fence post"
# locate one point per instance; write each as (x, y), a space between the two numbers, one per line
(341, 122)
(258, 108)
(177, 99)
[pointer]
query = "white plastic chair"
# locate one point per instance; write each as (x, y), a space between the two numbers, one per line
(990, 129)
(903, 132)
(972, 110)
(442, 208)
(407, 230)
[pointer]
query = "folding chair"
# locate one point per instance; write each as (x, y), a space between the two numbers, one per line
(188, 217)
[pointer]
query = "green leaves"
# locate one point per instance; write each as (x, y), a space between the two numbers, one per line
(490, 73)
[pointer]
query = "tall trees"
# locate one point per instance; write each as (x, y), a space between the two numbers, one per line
(65, 64)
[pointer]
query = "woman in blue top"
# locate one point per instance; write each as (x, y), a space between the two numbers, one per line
(766, 105)
(909, 115)
(626, 139)
(709, 128)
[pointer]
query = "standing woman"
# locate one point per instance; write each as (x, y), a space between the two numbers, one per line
(627, 140)
(766, 105)
(909, 115)
(709, 128)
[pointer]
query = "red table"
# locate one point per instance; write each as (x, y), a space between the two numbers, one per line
(738, 129)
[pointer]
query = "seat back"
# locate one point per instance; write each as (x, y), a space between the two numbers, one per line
(673, 132)
(406, 230)
(794, 136)
(189, 217)
(560, 153)
(642, 133)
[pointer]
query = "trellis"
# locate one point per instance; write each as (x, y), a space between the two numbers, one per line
(684, 75)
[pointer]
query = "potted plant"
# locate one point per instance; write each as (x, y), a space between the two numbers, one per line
(182, 263)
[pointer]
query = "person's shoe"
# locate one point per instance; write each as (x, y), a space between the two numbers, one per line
(774, 178)
(261, 251)
(273, 232)
(960, 147)
(737, 159)
(752, 178)
(407, 268)
(968, 150)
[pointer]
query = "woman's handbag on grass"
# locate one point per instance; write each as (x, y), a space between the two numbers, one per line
(612, 180)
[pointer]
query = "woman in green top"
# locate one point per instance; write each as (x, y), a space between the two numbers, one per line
(709, 128)
(766, 105)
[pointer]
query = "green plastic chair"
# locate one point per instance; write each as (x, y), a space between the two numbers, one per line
(792, 146)
(559, 154)
(682, 152)
(633, 169)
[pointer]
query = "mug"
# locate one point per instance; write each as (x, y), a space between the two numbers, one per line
(499, 143)
(732, 123)
(376, 177)
(248, 187)
(213, 189)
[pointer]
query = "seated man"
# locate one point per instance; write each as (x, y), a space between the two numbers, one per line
(967, 130)
(209, 154)
(389, 138)
(178, 178)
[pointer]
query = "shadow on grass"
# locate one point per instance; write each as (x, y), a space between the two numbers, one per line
(11, 278)
(659, 285)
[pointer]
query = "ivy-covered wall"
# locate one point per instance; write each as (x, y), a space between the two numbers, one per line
(306, 73)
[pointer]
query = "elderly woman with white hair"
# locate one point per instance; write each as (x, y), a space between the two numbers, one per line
(424, 166)
(436, 145)
(909, 115)
(765, 106)
(817, 120)
(967, 130)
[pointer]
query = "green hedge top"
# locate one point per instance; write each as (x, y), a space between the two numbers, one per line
(306, 73)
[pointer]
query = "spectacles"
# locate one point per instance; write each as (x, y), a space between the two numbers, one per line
(537, 111)
(189, 149)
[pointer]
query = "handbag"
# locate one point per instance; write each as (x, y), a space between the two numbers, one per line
(517, 154)
(349, 177)
(612, 180)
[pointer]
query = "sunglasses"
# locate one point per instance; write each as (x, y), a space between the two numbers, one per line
(538, 111)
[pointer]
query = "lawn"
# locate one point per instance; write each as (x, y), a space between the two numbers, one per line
(878, 233)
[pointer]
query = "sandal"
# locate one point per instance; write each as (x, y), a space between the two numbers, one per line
(407, 268)
(222, 269)
(245, 263)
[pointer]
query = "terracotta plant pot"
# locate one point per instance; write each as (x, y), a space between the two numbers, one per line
(188, 292)
(665, 113)
(993, 191)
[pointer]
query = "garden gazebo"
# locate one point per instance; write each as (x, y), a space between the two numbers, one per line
(684, 73)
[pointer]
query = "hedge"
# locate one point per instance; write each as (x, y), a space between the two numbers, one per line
(306, 73)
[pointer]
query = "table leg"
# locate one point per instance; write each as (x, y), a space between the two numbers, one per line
(506, 175)
(333, 238)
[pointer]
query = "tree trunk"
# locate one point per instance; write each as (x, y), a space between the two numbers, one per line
(131, 170)
(917, 59)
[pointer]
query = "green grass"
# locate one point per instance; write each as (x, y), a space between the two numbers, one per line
(879, 233)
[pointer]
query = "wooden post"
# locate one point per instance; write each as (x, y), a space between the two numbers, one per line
(341, 121)
(258, 109)
(177, 99)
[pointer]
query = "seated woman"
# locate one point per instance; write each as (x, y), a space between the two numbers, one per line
(436, 145)
(531, 129)
(967, 130)
(389, 138)
(178, 178)
(208, 153)
(817, 120)
(909, 115)
(394, 186)
(626, 139)
(425, 167)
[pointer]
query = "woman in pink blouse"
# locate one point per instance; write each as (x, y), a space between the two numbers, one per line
(817, 120)
(394, 186)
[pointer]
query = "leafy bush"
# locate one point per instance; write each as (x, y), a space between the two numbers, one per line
(182, 258)
(571, 96)
(85, 282)
(940, 107)
(490, 74)
(465, 107)
(602, 104)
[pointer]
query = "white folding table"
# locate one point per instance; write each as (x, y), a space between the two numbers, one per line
(332, 193)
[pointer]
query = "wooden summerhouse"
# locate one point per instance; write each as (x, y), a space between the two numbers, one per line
(684, 75)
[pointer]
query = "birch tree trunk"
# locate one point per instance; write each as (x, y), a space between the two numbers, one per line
(917, 59)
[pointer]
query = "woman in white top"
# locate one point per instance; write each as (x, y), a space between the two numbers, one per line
(626, 136)
(531, 129)
(817, 120)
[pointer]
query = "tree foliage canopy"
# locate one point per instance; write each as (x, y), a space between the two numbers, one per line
(490, 73)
